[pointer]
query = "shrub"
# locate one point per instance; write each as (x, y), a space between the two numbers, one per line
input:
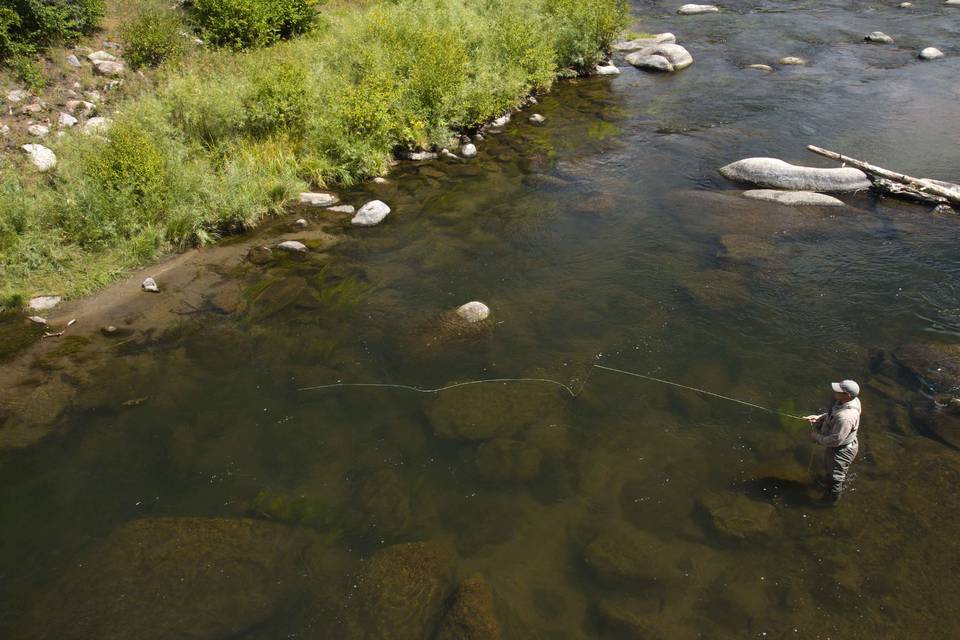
(278, 100)
(27, 71)
(586, 29)
(152, 38)
(41, 22)
(243, 24)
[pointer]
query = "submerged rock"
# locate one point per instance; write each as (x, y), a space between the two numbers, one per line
(343, 208)
(473, 312)
(506, 460)
(792, 61)
(42, 158)
(624, 555)
(661, 57)
(385, 503)
(260, 255)
(777, 174)
(760, 67)
(371, 214)
(936, 365)
(931, 53)
(484, 411)
(472, 615)
(736, 516)
(161, 578)
(878, 37)
(318, 199)
(794, 198)
(697, 9)
(640, 618)
(607, 70)
(642, 43)
(402, 590)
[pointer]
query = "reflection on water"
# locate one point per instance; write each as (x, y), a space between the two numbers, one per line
(632, 510)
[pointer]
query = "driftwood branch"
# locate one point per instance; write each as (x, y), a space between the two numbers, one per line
(899, 184)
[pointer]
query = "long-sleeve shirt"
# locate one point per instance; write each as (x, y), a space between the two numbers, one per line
(838, 427)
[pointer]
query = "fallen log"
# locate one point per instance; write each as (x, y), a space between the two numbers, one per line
(899, 184)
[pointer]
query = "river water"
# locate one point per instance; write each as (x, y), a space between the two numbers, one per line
(605, 236)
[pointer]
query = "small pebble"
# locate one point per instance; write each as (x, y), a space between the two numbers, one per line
(537, 119)
(301, 222)
(150, 285)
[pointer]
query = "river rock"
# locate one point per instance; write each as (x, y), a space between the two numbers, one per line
(642, 43)
(952, 3)
(260, 255)
(777, 174)
(537, 119)
(661, 57)
(735, 516)
(43, 303)
(418, 156)
(162, 578)
(67, 120)
(101, 56)
(474, 311)
(108, 68)
(879, 37)
(342, 208)
(491, 410)
(506, 460)
(402, 590)
(931, 53)
(17, 95)
(760, 67)
(371, 214)
(292, 246)
(607, 70)
(501, 121)
(472, 615)
(641, 619)
(42, 158)
(468, 150)
(97, 125)
(318, 199)
(38, 130)
(385, 502)
(624, 555)
(905, 5)
(792, 61)
(82, 106)
(150, 285)
(697, 9)
(73, 60)
(794, 198)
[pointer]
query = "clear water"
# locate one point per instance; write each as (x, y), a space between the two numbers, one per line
(604, 236)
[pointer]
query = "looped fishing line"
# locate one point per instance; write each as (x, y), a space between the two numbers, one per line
(553, 382)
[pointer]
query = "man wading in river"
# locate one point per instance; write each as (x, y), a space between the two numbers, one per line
(837, 431)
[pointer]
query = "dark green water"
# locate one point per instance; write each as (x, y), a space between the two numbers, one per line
(605, 235)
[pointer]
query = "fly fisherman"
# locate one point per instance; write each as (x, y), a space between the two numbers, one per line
(836, 430)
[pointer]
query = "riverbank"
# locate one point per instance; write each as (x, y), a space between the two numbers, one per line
(225, 141)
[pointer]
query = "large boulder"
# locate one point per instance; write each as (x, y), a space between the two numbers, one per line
(738, 517)
(777, 174)
(472, 615)
(371, 214)
(697, 9)
(661, 57)
(491, 410)
(109, 68)
(402, 591)
(794, 198)
(506, 460)
(624, 555)
(42, 158)
(187, 578)
(642, 43)
(931, 53)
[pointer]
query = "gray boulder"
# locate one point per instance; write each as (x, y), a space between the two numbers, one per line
(82, 106)
(101, 56)
(17, 95)
(879, 37)
(661, 57)
(109, 68)
(371, 214)
(473, 311)
(794, 198)
(67, 120)
(43, 303)
(931, 53)
(777, 174)
(792, 61)
(318, 199)
(73, 61)
(38, 130)
(343, 208)
(642, 43)
(623, 555)
(42, 158)
(468, 150)
(738, 517)
(292, 246)
(98, 125)
(697, 9)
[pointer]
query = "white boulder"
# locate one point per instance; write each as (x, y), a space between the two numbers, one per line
(792, 61)
(468, 150)
(292, 246)
(371, 214)
(794, 198)
(662, 57)
(318, 199)
(697, 9)
(878, 37)
(42, 158)
(43, 303)
(101, 56)
(777, 174)
(109, 68)
(66, 120)
(17, 95)
(474, 311)
(931, 53)
(607, 70)
(150, 286)
(38, 130)
(537, 119)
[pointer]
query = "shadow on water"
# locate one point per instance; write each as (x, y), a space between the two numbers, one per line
(634, 510)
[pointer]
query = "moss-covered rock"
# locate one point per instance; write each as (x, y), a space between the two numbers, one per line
(938, 365)
(484, 411)
(384, 503)
(403, 590)
(189, 578)
(735, 516)
(506, 460)
(472, 615)
(624, 555)
(640, 619)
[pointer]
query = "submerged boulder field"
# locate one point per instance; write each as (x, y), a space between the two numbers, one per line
(777, 174)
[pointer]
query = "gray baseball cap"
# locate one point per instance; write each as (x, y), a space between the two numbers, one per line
(846, 386)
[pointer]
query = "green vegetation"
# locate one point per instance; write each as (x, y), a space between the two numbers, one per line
(243, 24)
(155, 36)
(225, 139)
(28, 25)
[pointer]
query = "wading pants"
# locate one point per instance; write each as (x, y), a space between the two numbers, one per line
(837, 461)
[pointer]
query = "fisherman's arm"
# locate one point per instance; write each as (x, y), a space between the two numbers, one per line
(841, 427)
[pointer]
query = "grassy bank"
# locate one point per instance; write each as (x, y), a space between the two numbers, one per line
(226, 137)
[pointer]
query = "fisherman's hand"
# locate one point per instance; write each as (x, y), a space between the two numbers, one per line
(812, 419)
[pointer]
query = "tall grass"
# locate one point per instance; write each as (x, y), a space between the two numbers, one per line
(227, 137)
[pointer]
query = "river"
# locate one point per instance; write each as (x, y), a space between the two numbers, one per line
(604, 236)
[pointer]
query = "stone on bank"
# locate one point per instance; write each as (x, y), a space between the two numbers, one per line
(371, 214)
(42, 158)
